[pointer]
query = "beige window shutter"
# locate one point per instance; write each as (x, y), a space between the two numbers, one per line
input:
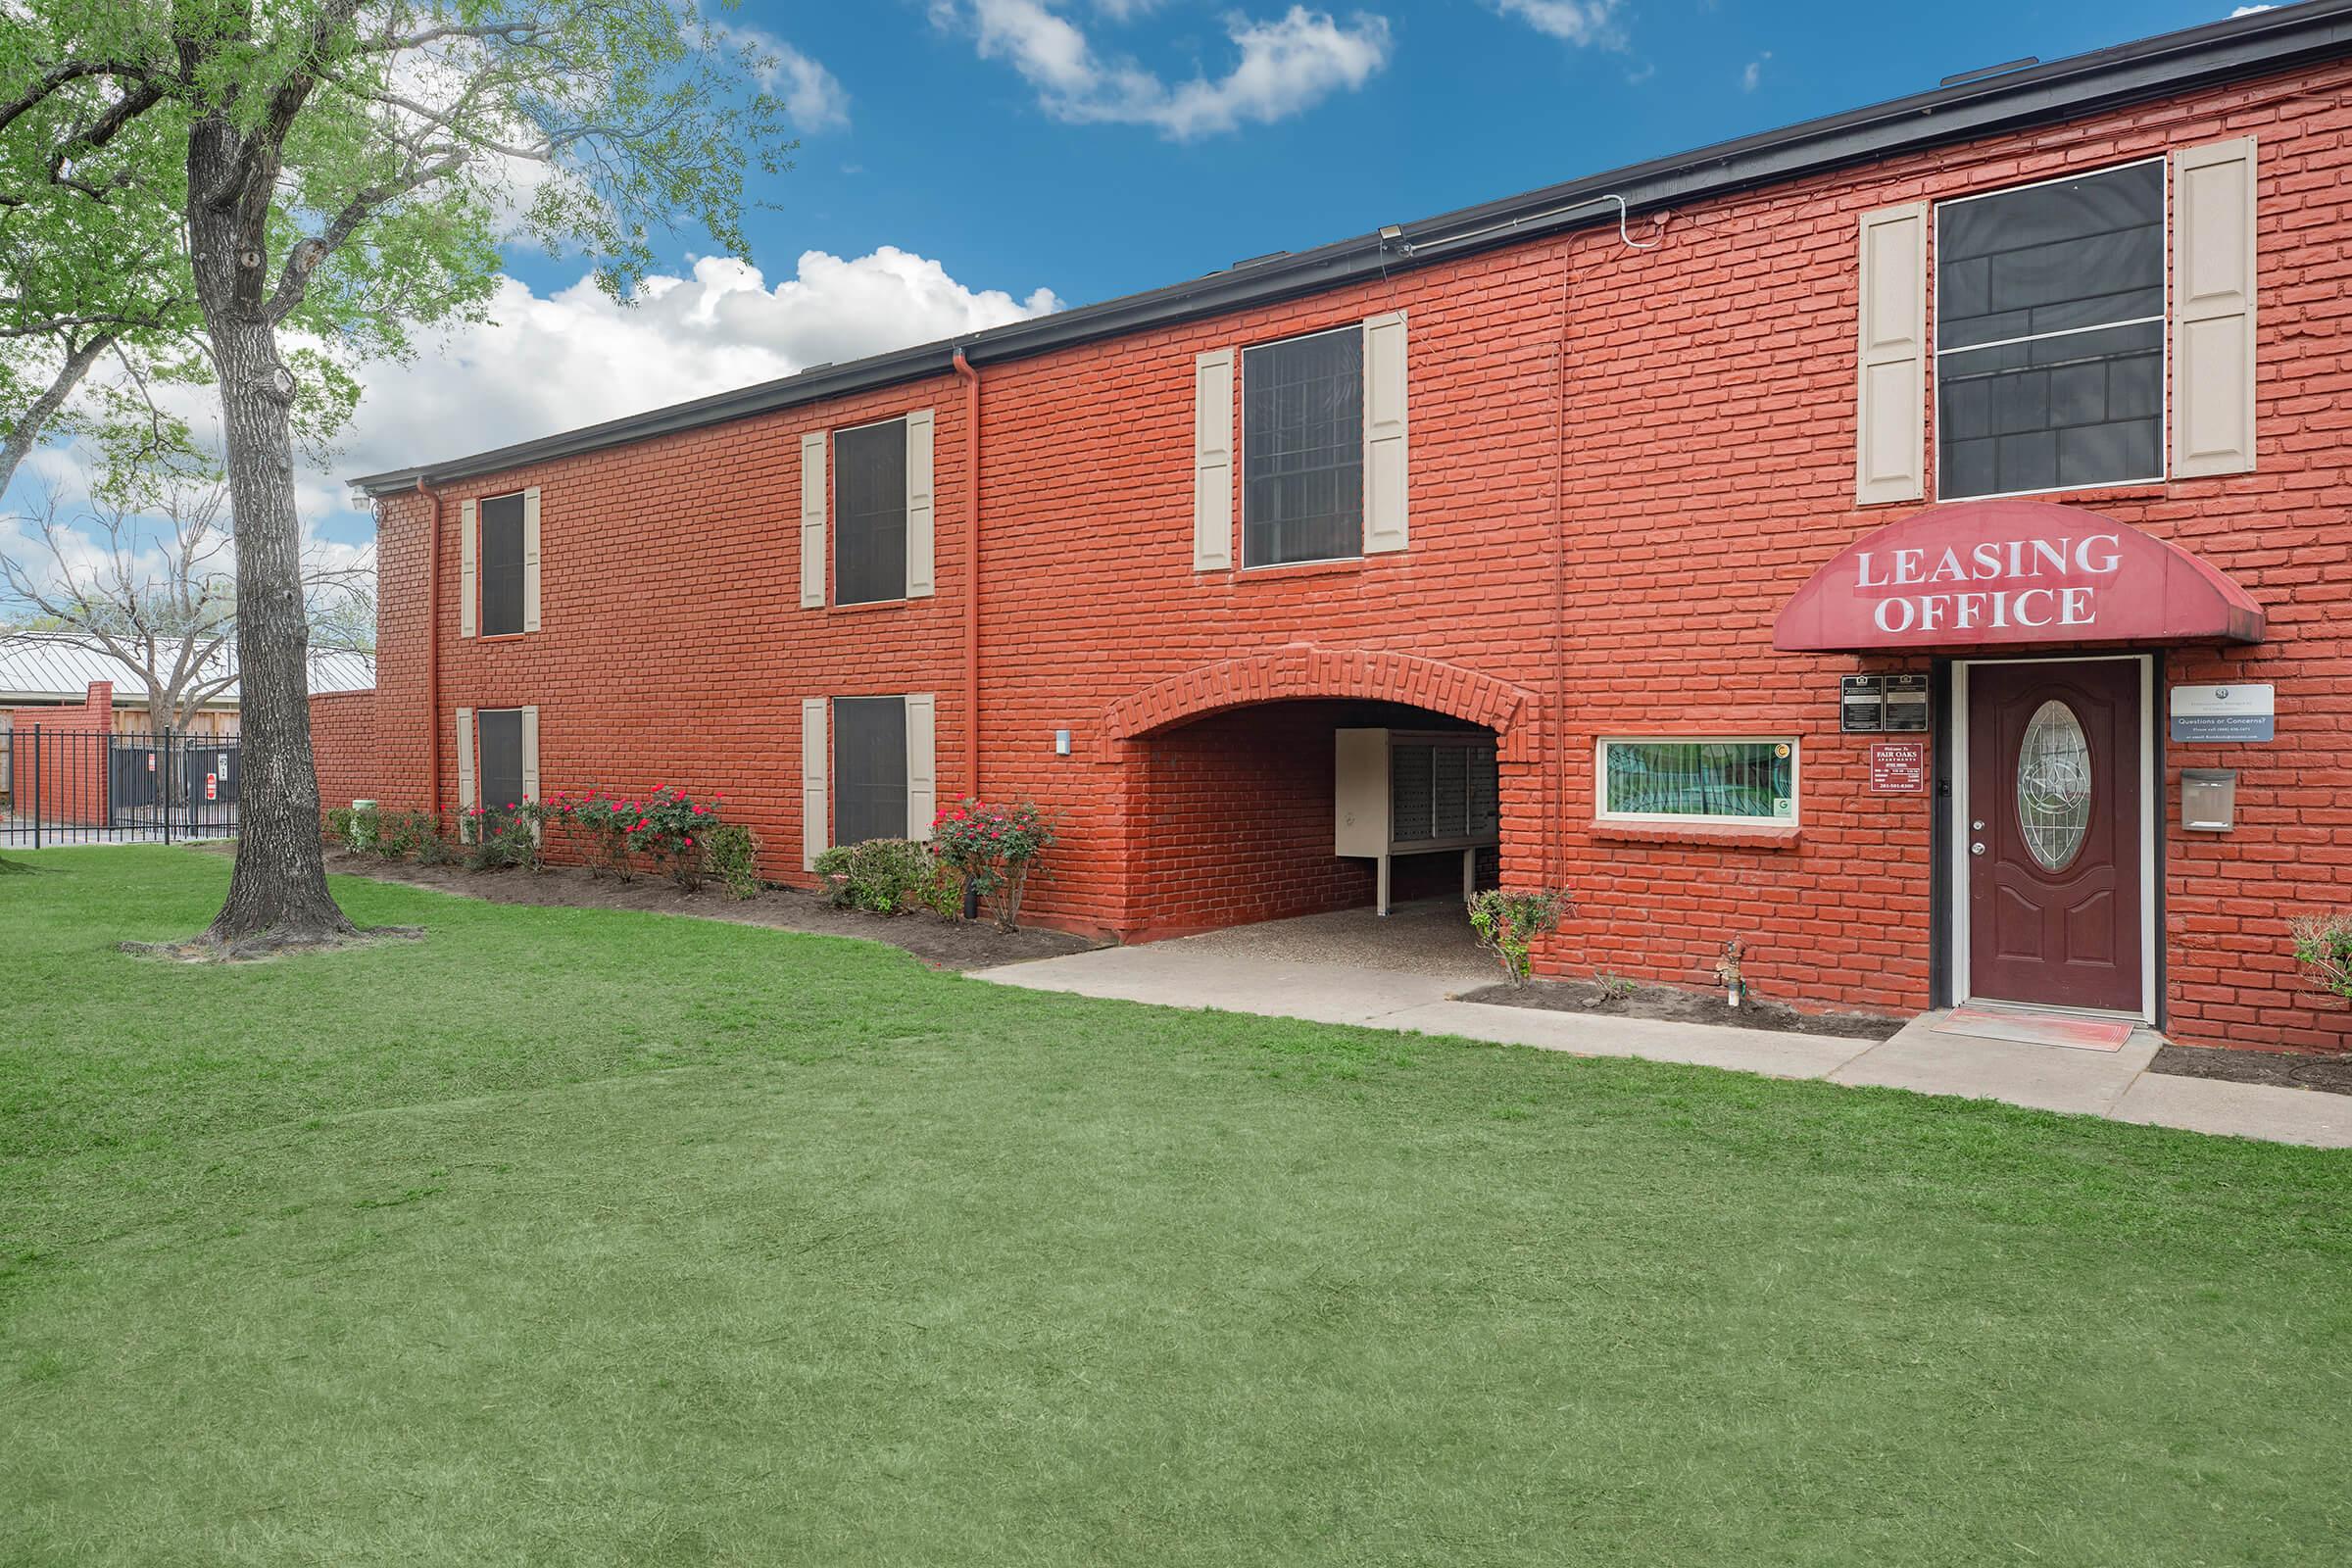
(469, 567)
(815, 825)
(530, 559)
(1383, 433)
(1890, 405)
(922, 765)
(1212, 461)
(813, 521)
(530, 753)
(465, 795)
(919, 441)
(2213, 314)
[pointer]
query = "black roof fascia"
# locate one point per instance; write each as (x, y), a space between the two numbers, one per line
(2262, 41)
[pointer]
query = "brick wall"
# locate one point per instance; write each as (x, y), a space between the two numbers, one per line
(1623, 462)
(65, 768)
(344, 747)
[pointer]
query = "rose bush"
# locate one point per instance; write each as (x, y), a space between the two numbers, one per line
(992, 850)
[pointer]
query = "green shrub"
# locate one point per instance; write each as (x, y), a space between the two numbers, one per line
(434, 847)
(339, 821)
(2323, 946)
(399, 833)
(1508, 922)
(992, 850)
(883, 876)
(499, 840)
(732, 855)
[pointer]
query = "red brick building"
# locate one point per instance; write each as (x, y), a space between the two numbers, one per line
(1556, 471)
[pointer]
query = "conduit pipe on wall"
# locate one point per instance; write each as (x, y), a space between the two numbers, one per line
(971, 565)
(432, 649)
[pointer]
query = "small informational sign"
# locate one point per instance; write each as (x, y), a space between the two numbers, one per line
(1899, 767)
(212, 786)
(150, 762)
(1861, 704)
(2225, 712)
(1906, 705)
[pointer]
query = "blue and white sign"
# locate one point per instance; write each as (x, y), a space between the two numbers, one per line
(2210, 714)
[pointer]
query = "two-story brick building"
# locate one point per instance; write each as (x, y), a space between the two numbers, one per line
(1809, 539)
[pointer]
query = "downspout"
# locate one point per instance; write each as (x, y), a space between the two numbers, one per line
(971, 565)
(432, 652)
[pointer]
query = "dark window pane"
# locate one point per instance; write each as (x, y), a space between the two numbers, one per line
(869, 515)
(1303, 449)
(500, 519)
(500, 736)
(869, 768)
(2036, 394)
(2072, 253)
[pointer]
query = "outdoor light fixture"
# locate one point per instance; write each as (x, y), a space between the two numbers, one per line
(1061, 743)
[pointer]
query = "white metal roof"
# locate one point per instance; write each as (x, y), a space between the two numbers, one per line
(47, 666)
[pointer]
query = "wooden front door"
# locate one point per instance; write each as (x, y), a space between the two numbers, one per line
(2053, 833)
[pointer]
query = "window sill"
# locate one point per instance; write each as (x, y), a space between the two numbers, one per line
(1292, 568)
(500, 636)
(1718, 835)
(871, 604)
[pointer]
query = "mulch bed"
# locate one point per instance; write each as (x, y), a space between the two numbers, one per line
(2331, 1075)
(941, 943)
(1671, 1006)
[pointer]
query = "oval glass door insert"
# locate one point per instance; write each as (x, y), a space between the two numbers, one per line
(2053, 785)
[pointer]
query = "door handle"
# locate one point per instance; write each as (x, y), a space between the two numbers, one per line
(1976, 848)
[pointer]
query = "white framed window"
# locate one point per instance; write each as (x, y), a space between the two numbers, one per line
(1302, 448)
(1745, 780)
(2049, 335)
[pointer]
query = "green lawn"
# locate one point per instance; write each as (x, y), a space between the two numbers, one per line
(569, 1237)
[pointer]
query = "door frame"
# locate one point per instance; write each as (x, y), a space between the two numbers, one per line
(2152, 829)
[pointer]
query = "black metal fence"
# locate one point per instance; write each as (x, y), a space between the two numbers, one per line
(61, 787)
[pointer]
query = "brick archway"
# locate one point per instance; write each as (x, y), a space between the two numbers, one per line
(1306, 670)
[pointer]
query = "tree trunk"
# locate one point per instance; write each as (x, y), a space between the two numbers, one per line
(277, 895)
(26, 434)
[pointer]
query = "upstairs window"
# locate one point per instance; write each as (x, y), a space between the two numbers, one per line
(870, 516)
(2050, 335)
(869, 768)
(1303, 449)
(502, 569)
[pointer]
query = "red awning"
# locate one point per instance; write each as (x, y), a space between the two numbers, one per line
(1975, 573)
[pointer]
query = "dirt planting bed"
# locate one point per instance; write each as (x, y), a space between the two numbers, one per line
(1671, 1006)
(942, 943)
(2281, 1069)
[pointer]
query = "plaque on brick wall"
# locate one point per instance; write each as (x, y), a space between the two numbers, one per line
(1862, 704)
(1906, 705)
(1899, 767)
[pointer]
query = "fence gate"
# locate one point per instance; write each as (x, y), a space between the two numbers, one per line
(65, 786)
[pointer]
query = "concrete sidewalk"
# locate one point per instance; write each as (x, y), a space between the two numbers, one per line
(1201, 972)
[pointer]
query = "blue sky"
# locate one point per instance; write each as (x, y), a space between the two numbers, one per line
(958, 157)
(965, 163)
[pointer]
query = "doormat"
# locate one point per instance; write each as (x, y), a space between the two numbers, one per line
(2026, 1027)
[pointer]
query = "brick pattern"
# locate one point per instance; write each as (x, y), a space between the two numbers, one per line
(344, 747)
(1623, 462)
(64, 768)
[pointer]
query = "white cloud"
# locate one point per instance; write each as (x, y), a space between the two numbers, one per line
(1753, 71)
(1576, 22)
(1284, 66)
(555, 362)
(812, 95)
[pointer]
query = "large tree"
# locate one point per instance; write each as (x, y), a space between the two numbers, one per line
(344, 171)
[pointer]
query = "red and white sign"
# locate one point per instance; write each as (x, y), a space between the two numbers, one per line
(1996, 572)
(212, 786)
(1899, 767)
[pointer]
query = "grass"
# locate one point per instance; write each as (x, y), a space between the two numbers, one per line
(586, 1236)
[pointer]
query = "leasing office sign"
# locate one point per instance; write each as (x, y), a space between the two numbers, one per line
(2005, 572)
